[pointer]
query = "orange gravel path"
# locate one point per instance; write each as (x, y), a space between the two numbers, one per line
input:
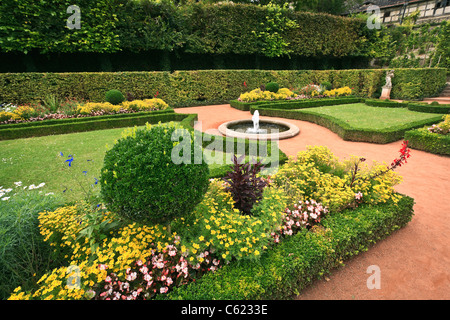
(414, 261)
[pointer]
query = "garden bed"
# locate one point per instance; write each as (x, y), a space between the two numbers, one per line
(218, 252)
(422, 139)
(71, 125)
(295, 263)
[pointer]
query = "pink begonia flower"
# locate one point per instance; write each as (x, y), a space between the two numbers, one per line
(163, 289)
(169, 281)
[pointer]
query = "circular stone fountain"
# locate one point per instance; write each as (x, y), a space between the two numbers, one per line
(259, 129)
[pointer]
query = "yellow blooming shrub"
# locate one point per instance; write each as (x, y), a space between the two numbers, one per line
(259, 95)
(340, 92)
(135, 105)
(217, 224)
(317, 174)
(20, 113)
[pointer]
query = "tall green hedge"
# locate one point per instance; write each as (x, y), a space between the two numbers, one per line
(115, 25)
(190, 88)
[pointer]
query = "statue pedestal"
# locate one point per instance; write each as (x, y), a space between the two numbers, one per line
(386, 94)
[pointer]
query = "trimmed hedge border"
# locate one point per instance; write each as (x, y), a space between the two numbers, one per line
(422, 139)
(385, 103)
(292, 104)
(442, 108)
(72, 125)
(297, 261)
(344, 130)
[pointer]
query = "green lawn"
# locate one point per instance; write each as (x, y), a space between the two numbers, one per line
(362, 116)
(37, 160)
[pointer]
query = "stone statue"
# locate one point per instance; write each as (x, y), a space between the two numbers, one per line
(389, 76)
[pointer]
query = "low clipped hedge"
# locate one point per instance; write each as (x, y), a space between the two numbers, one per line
(292, 104)
(429, 108)
(71, 125)
(422, 139)
(344, 130)
(297, 261)
(385, 103)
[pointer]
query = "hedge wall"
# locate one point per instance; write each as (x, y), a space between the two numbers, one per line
(191, 88)
(114, 25)
(297, 261)
(422, 139)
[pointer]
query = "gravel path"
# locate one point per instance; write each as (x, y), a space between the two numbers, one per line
(414, 261)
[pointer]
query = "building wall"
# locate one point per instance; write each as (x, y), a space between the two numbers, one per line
(428, 12)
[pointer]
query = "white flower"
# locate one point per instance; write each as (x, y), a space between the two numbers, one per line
(5, 198)
(8, 190)
(47, 194)
(18, 183)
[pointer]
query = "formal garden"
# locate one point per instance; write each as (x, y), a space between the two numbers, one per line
(109, 191)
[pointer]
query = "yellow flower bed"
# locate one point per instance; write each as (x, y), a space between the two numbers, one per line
(258, 95)
(318, 174)
(135, 105)
(20, 113)
(344, 91)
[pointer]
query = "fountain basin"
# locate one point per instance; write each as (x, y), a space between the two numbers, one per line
(271, 129)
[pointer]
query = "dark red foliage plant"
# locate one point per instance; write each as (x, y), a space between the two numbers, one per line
(244, 184)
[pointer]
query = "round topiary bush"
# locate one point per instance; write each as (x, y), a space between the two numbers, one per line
(114, 96)
(327, 85)
(272, 87)
(151, 177)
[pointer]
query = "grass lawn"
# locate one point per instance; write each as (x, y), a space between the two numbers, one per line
(362, 116)
(37, 160)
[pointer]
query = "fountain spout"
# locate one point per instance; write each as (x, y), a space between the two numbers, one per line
(255, 119)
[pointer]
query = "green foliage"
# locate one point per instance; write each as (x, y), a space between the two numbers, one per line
(272, 87)
(109, 26)
(24, 257)
(114, 96)
(430, 108)
(422, 139)
(141, 181)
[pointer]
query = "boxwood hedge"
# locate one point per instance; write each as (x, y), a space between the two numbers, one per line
(422, 139)
(429, 108)
(290, 266)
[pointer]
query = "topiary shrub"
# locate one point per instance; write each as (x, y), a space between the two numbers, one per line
(327, 85)
(272, 87)
(143, 178)
(114, 96)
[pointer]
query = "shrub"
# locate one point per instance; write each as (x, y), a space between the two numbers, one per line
(327, 85)
(141, 181)
(423, 139)
(114, 97)
(24, 257)
(245, 187)
(273, 87)
(429, 108)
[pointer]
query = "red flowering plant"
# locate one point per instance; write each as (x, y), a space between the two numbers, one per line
(405, 153)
